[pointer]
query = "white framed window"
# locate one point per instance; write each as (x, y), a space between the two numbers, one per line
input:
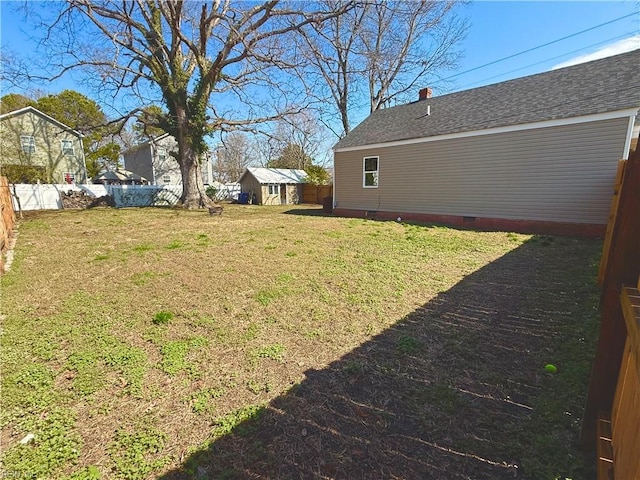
(166, 179)
(67, 147)
(68, 178)
(370, 170)
(28, 143)
(274, 189)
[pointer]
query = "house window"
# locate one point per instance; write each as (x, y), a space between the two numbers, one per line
(274, 189)
(370, 172)
(162, 154)
(28, 143)
(67, 147)
(68, 177)
(166, 179)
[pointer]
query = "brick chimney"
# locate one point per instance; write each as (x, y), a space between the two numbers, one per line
(424, 94)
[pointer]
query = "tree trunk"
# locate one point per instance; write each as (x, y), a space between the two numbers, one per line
(193, 193)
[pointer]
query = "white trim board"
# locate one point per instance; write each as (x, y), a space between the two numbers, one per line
(629, 112)
(627, 143)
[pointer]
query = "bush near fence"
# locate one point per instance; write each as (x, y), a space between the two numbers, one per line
(7, 219)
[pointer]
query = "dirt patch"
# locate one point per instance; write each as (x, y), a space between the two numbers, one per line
(80, 199)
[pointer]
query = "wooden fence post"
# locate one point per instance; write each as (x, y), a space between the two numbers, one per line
(7, 219)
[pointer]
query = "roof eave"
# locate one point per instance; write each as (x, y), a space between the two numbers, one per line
(42, 114)
(627, 112)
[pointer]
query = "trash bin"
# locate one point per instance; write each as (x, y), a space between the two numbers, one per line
(327, 205)
(243, 198)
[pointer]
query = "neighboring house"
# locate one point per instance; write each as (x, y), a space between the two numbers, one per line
(154, 161)
(534, 154)
(273, 186)
(52, 151)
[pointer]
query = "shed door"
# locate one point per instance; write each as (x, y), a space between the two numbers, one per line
(283, 194)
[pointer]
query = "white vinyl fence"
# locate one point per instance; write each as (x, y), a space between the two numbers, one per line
(230, 191)
(49, 196)
(145, 195)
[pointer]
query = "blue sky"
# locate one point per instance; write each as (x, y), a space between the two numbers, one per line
(497, 30)
(501, 29)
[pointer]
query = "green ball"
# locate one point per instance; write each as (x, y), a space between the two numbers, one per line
(550, 368)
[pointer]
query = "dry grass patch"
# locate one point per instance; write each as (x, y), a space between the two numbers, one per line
(136, 337)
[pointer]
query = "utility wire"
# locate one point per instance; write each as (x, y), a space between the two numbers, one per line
(539, 46)
(545, 60)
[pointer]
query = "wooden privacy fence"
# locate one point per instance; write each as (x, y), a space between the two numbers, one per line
(612, 414)
(315, 193)
(7, 219)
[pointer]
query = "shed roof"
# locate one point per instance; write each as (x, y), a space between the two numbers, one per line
(276, 175)
(605, 85)
(35, 111)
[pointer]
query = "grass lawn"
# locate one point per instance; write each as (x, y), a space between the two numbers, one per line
(280, 343)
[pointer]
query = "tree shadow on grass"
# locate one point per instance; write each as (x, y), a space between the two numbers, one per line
(455, 390)
(307, 212)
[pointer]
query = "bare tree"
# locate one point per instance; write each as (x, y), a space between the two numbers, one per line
(187, 52)
(301, 133)
(382, 48)
(232, 157)
(332, 60)
(13, 68)
(405, 42)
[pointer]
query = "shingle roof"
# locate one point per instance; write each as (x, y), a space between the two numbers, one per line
(600, 86)
(276, 175)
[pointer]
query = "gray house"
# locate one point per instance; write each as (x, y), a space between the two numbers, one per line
(273, 186)
(534, 154)
(154, 161)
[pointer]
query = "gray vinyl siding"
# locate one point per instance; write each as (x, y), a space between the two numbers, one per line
(145, 161)
(139, 161)
(561, 174)
(168, 167)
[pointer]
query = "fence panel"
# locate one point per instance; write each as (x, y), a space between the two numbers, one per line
(39, 196)
(612, 412)
(48, 196)
(230, 191)
(145, 195)
(315, 193)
